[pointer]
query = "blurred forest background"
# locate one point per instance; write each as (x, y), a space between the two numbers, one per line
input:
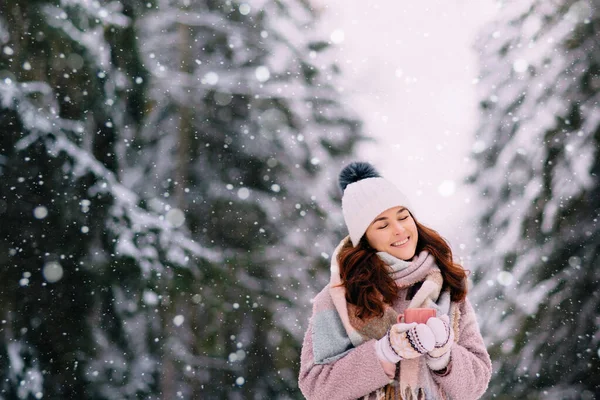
(168, 197)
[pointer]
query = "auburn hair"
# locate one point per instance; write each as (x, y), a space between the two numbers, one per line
(367, 279)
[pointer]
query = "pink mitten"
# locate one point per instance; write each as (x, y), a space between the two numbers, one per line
(439, 357)
(405, 341)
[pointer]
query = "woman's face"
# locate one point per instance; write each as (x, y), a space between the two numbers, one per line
(395, 232)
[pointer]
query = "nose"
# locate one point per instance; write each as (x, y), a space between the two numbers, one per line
(398, 228)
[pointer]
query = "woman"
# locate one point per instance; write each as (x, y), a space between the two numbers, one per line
(354, 346)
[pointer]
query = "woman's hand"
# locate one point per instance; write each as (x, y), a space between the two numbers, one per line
(439, 357)
(405, 341)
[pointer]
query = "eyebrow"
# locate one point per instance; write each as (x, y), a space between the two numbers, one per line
(383, 218)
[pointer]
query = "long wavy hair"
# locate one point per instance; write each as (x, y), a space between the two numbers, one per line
(367, 279)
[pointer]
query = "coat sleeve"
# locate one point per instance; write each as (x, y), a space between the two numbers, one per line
(352, 376)
(470, 367)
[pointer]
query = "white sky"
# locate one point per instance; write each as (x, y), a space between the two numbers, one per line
(409, 70)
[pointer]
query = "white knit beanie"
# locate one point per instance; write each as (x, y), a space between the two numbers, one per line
(365, 196)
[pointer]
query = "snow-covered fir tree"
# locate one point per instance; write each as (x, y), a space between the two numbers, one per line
(536, 169)
(74, 239)
(167, 170)
(245, 116)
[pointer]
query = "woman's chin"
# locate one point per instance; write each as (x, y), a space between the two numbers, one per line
(402, 254)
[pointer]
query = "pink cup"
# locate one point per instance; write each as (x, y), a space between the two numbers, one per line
(418, 315)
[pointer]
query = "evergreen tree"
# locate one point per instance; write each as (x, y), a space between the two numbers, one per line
(164, 196)
(258, 122)
(74, 239)
(537, 164)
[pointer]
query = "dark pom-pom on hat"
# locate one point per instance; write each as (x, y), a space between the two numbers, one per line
(355, 172)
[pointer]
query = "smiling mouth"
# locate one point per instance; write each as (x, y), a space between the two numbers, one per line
(400, 243)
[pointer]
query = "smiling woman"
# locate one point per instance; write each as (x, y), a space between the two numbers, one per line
(390, 263)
